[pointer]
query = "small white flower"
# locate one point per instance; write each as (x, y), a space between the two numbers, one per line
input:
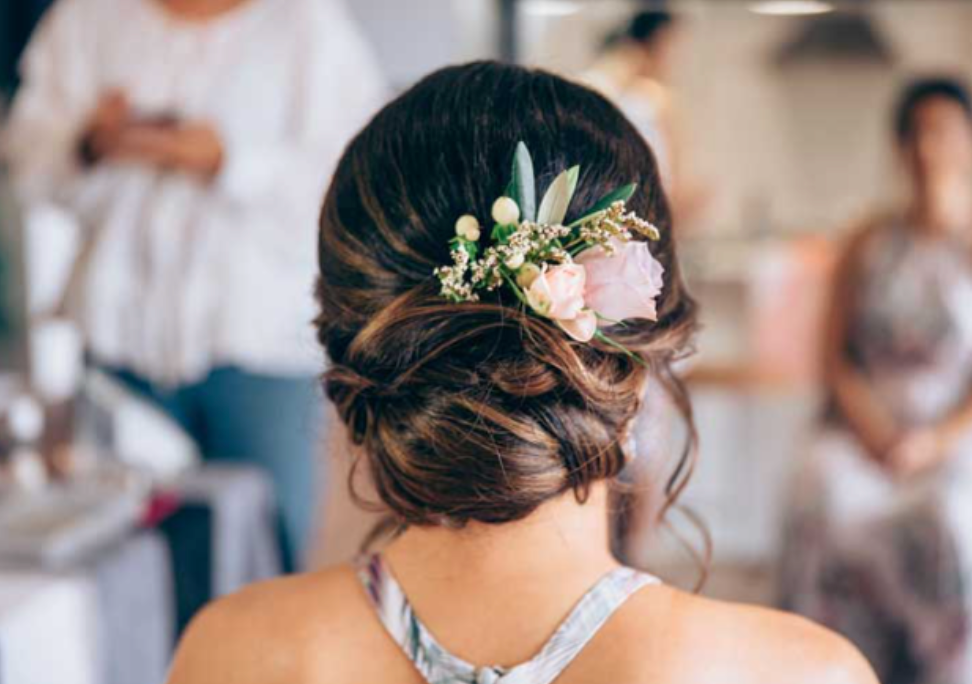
(505, 211)
(515, 261)
(527, 275)
(468, 227)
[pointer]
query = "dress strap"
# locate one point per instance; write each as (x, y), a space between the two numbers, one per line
(438, 666)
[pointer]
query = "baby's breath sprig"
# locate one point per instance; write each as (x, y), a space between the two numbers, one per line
(614, 223)
(516, 245)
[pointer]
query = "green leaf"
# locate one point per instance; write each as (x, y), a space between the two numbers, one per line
(621, 194)
(501, 234)
(470, 247)
(523, 186)
(556, 201)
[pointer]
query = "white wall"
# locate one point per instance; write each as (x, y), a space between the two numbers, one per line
(414, 37)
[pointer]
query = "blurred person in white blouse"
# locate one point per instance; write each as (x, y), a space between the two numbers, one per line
(192, 140)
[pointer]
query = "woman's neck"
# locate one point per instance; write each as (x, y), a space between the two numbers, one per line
(562, 537)
(943, 206)
(535, 570)
(622, 65)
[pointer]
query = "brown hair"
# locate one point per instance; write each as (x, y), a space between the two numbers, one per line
(482, 411)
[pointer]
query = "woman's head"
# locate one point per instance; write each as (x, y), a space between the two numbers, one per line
(933, 127)
(651, 35)
(480, 411)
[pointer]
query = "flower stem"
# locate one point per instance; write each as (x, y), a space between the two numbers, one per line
(620, 347)
(610, 320)
(583, 247)
(516, 289)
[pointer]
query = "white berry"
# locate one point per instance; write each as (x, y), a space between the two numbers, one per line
(527, 275)
(505, 211)
(468, 227)
(514, 262)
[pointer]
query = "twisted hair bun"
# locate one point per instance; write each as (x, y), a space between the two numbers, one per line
(479, 411)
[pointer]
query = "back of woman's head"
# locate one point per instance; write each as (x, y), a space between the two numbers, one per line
(480, 411)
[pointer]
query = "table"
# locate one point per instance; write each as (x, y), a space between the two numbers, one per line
(114, 618)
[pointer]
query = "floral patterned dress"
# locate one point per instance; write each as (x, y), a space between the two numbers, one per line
(889, 562)
(438, 666)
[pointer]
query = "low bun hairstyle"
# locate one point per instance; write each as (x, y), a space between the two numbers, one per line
(481, 411)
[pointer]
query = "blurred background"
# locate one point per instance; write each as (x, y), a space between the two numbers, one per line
(123, 502)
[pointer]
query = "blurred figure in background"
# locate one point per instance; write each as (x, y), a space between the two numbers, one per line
(192, 140)
(633, 71)
(880, 544)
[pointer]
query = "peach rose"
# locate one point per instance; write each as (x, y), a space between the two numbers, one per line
(558, 294)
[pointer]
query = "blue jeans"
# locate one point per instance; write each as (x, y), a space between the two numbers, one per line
(274, 423)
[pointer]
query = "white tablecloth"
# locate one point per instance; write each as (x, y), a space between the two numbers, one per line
(48, 629)
(109, 621)
(113, 619)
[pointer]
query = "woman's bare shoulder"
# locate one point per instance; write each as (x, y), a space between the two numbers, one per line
(700, 639)
(281, 630)
(667, 636)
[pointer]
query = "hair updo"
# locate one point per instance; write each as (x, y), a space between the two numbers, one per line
(481, 411)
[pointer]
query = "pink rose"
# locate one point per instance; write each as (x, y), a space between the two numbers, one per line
(558, 293)
(624, 285)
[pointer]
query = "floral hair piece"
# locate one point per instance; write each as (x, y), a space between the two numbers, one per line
(578, 274)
